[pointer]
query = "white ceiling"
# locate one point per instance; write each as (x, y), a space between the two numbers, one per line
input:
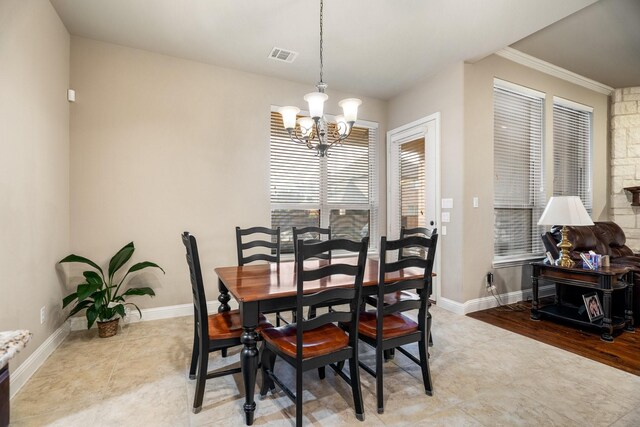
(602, 42)
(372, 48)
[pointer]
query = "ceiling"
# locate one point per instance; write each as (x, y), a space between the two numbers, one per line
(372, 48)
(601, 42)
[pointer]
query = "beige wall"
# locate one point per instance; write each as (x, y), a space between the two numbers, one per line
(161, 145)
(442, 93)
(478, 161)
(34, 166)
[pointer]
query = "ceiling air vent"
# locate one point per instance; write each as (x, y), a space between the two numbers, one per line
(283, 55)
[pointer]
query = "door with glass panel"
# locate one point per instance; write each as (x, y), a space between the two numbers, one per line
(412, 178)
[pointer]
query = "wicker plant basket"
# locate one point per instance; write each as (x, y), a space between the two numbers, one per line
(108, 329)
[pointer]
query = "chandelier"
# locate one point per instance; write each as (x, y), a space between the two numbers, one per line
(314, 131)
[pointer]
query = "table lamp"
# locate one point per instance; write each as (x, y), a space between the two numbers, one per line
(565, 210)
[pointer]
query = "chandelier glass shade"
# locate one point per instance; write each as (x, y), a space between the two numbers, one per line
(314, 131)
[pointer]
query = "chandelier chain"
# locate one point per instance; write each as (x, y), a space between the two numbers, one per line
(321, 64)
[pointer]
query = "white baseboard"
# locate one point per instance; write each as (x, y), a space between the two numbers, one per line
(490, 302)
(451, 305)
(29, 367)
(155, 313)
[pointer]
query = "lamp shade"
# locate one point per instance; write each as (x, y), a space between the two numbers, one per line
(350, 108)
(565, 210)
(316, 103)
(289, 116)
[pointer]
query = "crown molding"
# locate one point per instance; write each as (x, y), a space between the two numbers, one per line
(553, 70)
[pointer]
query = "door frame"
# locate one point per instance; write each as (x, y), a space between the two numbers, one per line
(428, 128)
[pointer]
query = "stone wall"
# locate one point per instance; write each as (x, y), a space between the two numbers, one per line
(625, 161)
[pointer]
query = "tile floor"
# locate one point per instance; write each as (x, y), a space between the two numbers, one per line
(483, 376)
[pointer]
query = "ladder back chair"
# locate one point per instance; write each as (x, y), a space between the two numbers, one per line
(387, 327)
(419, 231)
(316, 342)
(311, 235)
(210, 332)
(260, 241)
(259, 237)
(407, 295)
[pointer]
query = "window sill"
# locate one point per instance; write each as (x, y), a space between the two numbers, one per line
(516, 262)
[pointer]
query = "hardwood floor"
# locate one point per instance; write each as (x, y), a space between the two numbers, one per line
(623, 353)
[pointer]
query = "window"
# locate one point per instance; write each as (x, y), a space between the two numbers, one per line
(572, 150)
(338, 191)
(412, 184)
(518, 198)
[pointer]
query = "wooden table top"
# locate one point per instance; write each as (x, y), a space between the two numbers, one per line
(612, 270)
(267, 281)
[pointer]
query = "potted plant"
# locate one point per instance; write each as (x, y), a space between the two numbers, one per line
(104, 298)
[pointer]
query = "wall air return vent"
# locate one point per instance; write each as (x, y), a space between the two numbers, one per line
(283, 55)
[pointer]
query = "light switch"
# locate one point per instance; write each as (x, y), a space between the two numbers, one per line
(446, 217)
(447, 203)
(444, 230)
(475, 202)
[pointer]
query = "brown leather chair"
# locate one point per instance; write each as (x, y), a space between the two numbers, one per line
(604, 238)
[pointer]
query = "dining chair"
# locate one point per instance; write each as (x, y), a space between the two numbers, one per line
(259, 237)
(387, 327)
(211, 332)
(419, 231)
(316, 342)
(311, 235)
(407, 295)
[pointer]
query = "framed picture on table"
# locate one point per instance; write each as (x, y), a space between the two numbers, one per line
(592, 304)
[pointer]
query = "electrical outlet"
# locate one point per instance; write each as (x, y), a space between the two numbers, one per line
(488, 280)
(43, 314)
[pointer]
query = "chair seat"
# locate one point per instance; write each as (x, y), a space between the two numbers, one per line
(228, 324)
(393, 325)
(317, 342)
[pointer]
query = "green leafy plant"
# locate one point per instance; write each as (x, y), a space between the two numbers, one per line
(101, 296)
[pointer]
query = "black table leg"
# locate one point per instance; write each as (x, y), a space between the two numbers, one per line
(223, 298)
(535, 315)
(607, 325)
(249, 356)
(628, 307)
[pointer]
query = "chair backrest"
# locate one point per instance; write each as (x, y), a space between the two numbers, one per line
(351, 295)
(313, 235)
(414, 251)
(197, 285)
(263, 240)
(422, 284)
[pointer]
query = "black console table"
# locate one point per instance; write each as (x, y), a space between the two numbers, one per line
(605, 280)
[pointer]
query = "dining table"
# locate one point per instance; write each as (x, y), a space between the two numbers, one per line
(267, 288)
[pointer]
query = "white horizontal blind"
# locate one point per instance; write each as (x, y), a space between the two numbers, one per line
(518, 177)
(572, 152)
(349, 186)
(294, 179)
(339, 190)
(412, 184)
